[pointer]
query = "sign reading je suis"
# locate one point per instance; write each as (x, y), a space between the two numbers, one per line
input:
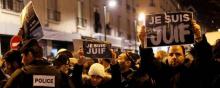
(93, 48)
(97, 49)
(169, 29)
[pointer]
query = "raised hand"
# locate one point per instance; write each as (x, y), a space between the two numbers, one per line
(197, 31)
(141, 35)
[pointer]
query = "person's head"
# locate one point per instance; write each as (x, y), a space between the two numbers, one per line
(96, 73)
(63, 51)
(160, 55)
(12, 61)
(126, 61)
(31, 50)
(105, 62)
(62, 60)
(176, 55)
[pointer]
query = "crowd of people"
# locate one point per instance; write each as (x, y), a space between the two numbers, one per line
(176, 68)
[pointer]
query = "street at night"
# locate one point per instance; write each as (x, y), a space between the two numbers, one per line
(109, 43)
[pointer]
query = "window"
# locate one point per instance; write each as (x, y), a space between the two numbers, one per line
(128, 7)
(5, 43)
(53, 13)
(152, 3)
(128, 29)
(118, 25)
(13, 5)
(120, 34)
(129, 36)
(97, 22)
(81, 21)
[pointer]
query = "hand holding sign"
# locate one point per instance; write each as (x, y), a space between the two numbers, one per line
(141, 35)
(81, 59)
(93, 48)
(169, 29)
(196, 30)
(114, 56)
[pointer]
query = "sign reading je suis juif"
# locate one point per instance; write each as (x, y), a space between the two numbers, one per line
(97, 49)
(93, 48)
(169, 29)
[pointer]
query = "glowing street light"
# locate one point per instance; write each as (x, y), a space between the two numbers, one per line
(110, 4)
(141, 18)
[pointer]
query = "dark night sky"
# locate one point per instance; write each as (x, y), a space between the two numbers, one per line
(208, 12)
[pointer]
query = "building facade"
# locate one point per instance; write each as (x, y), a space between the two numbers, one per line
(65, 20)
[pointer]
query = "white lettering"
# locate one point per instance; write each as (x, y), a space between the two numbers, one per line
(155, 20)
(186, 17)
(96, 51)
(158, 20)
(157, 39)
(176, 33)
(170, 40)
(152, 20)
(175, 18)
(44, 80)
(183, 32)
(167, 19)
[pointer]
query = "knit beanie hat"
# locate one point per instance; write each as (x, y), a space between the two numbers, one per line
(97, 69)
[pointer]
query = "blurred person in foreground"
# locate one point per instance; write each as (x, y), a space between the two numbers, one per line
(3, 76)
(37, 72)
(97, 77)
(215, 77)
(12, 62)
(133, 76)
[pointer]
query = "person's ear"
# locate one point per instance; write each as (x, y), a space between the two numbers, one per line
(128, 63)
(30, 55)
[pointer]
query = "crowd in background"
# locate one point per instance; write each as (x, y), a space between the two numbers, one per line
(175, 68)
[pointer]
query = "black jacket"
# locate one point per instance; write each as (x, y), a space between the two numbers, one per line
(3, 78)
(180, 77)
(38, 75)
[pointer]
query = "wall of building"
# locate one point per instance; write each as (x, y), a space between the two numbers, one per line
(9, 22)
(157, 6)
(121, 17)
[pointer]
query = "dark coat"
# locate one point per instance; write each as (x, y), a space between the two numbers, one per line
(3, 78)
(182, 76)
(24, 77)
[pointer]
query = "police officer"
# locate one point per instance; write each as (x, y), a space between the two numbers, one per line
(37, 73)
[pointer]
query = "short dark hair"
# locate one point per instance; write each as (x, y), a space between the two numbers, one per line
(63, 58)
(68, 53)
(130, 57)
(13, 56)
(32, 46)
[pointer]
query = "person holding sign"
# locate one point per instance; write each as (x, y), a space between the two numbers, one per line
(98, 78)
(133, 76)
(175, 74)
